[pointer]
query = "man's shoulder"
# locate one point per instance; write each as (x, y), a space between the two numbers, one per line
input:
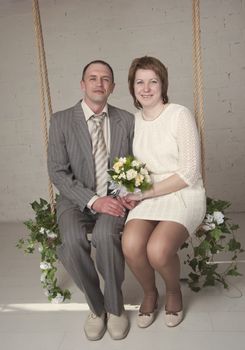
(66, 113)
(119, 111)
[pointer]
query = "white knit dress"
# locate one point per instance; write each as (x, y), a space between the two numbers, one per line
(170, 145)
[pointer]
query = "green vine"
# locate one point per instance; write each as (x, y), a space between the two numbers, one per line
(44, 235)
(215, 235)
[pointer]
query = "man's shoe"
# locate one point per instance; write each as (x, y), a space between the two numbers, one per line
(95, 326)
(117, 326)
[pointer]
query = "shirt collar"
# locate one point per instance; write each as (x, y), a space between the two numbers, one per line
(88, 111)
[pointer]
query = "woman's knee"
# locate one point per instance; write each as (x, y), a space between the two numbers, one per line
(133, 250)
(159, 255)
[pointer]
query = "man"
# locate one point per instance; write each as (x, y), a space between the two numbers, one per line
(80, 139)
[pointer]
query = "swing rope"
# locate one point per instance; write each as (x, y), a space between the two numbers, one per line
(45, 96)
(198, 78)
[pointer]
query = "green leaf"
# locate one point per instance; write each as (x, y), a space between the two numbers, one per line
(216, 234)
(203, 248)
(194, 277)
(233, 272)
(193, 264)
(233, 244)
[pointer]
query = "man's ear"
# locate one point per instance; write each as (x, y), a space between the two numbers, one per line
(112, 87)
(82, 85)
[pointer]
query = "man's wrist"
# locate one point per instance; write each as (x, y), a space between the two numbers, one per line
(91, 202)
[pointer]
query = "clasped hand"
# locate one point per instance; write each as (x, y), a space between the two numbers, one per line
(113, 206)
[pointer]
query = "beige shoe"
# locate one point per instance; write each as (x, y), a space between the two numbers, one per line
(95, 326)
(172, 319)
(145, 319)
(117, 326)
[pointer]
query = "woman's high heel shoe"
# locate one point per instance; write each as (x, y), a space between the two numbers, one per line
(145, 319)
(172, 319)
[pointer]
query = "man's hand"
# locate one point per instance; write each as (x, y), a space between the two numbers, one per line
(109, 205)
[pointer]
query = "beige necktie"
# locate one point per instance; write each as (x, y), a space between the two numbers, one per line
(100, 154)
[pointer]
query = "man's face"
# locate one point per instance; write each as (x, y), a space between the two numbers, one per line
(97, 84)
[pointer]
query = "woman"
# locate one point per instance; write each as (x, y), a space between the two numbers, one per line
(166, 139)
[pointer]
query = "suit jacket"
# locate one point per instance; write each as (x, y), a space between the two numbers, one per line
(70, 160)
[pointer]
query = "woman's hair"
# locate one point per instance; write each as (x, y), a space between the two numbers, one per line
(152, 63)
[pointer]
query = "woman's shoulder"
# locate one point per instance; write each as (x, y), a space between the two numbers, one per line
(179, 108)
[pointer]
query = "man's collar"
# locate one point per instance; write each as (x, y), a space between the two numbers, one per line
(88, 111)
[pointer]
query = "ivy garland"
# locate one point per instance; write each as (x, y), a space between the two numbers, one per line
(215, 235)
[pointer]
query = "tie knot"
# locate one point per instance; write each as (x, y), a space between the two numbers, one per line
(98, 119)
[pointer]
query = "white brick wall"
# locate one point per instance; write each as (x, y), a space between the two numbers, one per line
(76, 32)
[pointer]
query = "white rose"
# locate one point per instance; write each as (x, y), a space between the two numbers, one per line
(117, 167)
(52, 235)
(136, 163)
(148, 179)
(138, 180)
(218, 217)
(144, 171)
(122, 176)
(122, 160)
(45, 265)
(131, 174)
(42, 230)
(58, 299)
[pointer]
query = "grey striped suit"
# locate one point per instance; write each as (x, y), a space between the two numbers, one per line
(71, 169)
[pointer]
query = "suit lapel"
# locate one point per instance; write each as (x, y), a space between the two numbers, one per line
(81, 132)
(116, 133)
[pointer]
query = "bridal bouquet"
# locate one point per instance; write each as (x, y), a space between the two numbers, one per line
(128, 175)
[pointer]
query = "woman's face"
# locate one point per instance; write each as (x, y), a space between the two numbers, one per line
(148, 88)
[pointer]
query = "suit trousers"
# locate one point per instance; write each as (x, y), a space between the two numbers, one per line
(75, 255)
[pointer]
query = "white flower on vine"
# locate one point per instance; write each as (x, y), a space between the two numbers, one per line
(45, 265)
(47, 292)
(209, 218)
(40, 249)
(42, 230)
(208, 226)
(51, 235)
(43, 277)
(131, 174)
(58, 299)
(218, 217)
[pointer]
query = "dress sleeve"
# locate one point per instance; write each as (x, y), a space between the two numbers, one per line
(189, 148)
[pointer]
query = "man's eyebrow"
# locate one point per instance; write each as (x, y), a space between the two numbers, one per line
(103, 76)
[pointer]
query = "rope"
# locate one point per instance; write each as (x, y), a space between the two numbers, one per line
(44, 87)
(198, 78)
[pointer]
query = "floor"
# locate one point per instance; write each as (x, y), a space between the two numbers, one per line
(214, 318)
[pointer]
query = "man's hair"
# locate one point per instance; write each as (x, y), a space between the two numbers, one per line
(100, 62)
(152, 63)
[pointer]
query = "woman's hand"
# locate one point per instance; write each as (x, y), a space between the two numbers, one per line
(137, 197)
(127, 203)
